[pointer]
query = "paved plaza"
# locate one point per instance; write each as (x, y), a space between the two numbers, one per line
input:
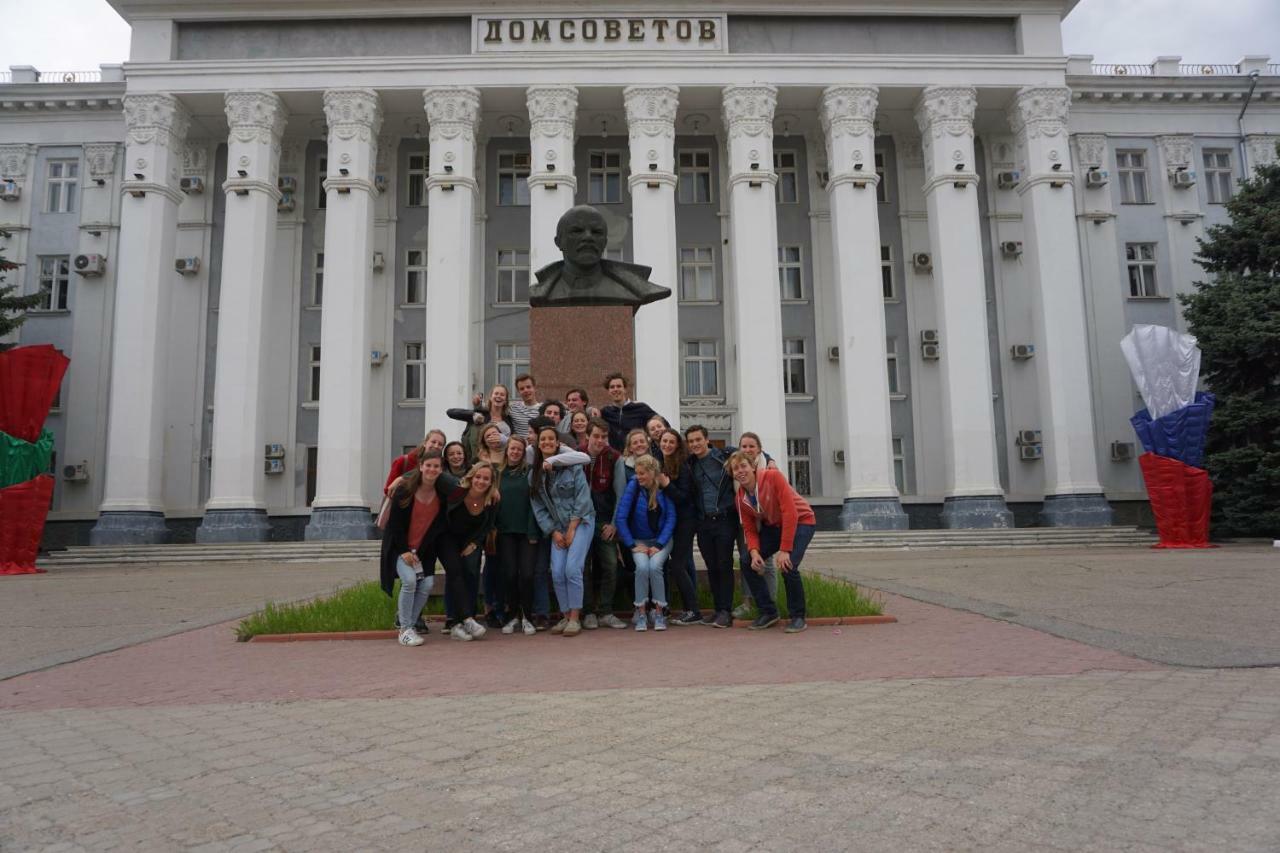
(955, 729)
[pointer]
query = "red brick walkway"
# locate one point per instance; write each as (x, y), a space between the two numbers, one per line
(208, 666)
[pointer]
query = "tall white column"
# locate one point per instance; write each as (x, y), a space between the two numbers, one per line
(753, 244)
(341, 508)
(871, 497)
(453, 113)
(973, 495)
(236, 510)
(553, 114)
(132, 508)
(1073, 495)
(651, 116)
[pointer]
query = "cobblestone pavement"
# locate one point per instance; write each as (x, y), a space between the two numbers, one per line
(1158, 760)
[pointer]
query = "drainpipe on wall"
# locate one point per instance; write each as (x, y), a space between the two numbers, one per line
(1244, 153)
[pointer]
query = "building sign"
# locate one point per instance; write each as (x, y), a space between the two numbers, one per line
(702, 34)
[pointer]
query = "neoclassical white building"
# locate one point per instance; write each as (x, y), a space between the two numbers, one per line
(905, 240)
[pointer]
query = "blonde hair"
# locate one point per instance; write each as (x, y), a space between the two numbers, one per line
(736, 457)
(626, 445)
(491, 497)
(524, 462)
(648, 463)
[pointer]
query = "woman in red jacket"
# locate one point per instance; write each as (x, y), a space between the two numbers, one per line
(777, 522)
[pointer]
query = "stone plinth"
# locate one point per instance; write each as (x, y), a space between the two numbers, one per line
(577, 347)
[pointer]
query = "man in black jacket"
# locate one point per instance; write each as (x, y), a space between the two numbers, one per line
(717, 530)
(623, 414)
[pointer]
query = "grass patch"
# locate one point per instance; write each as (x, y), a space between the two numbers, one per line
(364, 607)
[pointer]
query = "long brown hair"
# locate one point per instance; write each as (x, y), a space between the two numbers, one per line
(673, 463)
(413, 480)
(491, 496)
(419, 452)
(538, 458)
(524, 460)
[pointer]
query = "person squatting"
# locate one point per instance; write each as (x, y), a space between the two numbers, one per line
(541, 496)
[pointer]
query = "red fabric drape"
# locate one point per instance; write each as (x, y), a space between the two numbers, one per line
(1181, 497)
(29, 380)
(23, 509)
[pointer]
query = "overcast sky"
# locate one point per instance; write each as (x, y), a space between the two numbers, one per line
(67, 35)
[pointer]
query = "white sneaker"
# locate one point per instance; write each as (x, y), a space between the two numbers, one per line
(460, 633)
(590, 622)
(510, 627)
(410, 637)
(528, 628)
(611, 621)
(474, 628)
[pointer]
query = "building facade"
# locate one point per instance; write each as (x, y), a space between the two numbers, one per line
(904, 244)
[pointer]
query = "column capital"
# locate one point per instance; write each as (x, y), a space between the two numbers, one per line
(100, 159)
(453, 112)
(651, 110)
(160, 119)
(848, 110)
(1040, 111)
(1176, 150)
(553, 110)
(946, 110)
(1091, 150)
(748, 110)
(1261, 148)
(255, 116)
(353, 114)
(13, 161)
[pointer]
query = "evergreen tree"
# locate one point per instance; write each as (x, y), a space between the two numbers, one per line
(1236, 319)
(13, 306)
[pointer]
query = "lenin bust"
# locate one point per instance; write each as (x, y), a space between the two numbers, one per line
(585, 276)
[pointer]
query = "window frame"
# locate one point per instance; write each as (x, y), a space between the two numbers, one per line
(513, 269)
(789, 358)
(513, 363)
(1132, 176)
(314, 364)
(603, 173)
(411, 363)
(788, 175)
(1146, 268)
(798, 454)
(897, 448)
(886, 274)
(517, 174)
(893, 368)
(882, 185)
(700, 358)
(693, 171)
(67, 185)
(53, 284)
(798, 266)
(696, 265)
(416, 179)
(322, 175)
(1219, 178)
(317, 281)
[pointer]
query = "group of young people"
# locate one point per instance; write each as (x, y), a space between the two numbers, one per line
(580, 495)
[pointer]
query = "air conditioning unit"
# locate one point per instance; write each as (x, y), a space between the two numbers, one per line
(1121, 451)
(287, 184)
(922, 261)
(833, 353)
(1183, 178)
(1030, 452)
(273, 466)
(379, 262)
(377, 357)
(1027, 437)
(1022, 351)
(1095, 178)
(1008, 180)
(1011, 248)
(380, 183)
(10, 191)
(274, 451)
(929, 336)
(286, 204)
(191, 185)
(90, 264)
(930, 352)
(76, 473)
(187, 266)
(837, 456)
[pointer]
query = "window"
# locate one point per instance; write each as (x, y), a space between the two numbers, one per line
(1141, 260)
(794, 374)
(317, 281)
(882, 187)
(701, 369)
(798, 465)
(787, 189)
(62, 179)
(697, 274)
(513, 179)
(513, 359)
(322, 173)
(695, 177)
(56, 405)
(313, 374)
(313, 456)
(55, 275)
(790, 276)
(417, 174)
(415, 277)
(604, 177)
(513, 276)
(1132, 167)
(1217, 174)
(886, 273)
(891, 359)
(899, 465)
(414, 369)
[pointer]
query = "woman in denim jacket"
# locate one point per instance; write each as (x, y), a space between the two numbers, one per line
(562, 505)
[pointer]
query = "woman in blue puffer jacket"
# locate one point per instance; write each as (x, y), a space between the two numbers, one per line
(646, 522)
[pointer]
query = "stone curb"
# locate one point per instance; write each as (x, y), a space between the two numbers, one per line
(818, 621)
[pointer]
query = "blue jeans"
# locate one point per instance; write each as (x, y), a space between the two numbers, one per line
(649, 581)
(413, 593)
(566, 568)
(770, 543)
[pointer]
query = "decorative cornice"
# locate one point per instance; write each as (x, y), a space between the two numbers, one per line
(848, 111)
(160, 119)
(1091, 150)
(748, 110)
(100, 159)
(946, 110)
(651, 110)
(553, 110)
(14, 159)
(552, 179)
(644, 179)
(255, 116)
(453, 112)
(1176, 150)
(353, 114)
(195, 157)
(237, 186)
(451, 182)
(1040, 111)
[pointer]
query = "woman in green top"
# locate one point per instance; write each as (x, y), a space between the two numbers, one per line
(472, 508)
(518, 537)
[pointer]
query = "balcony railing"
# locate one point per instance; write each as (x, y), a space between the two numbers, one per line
(70, 77)
(1183, 69)
(1123, 70)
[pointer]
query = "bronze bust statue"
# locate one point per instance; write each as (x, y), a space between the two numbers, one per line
(585, 276)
